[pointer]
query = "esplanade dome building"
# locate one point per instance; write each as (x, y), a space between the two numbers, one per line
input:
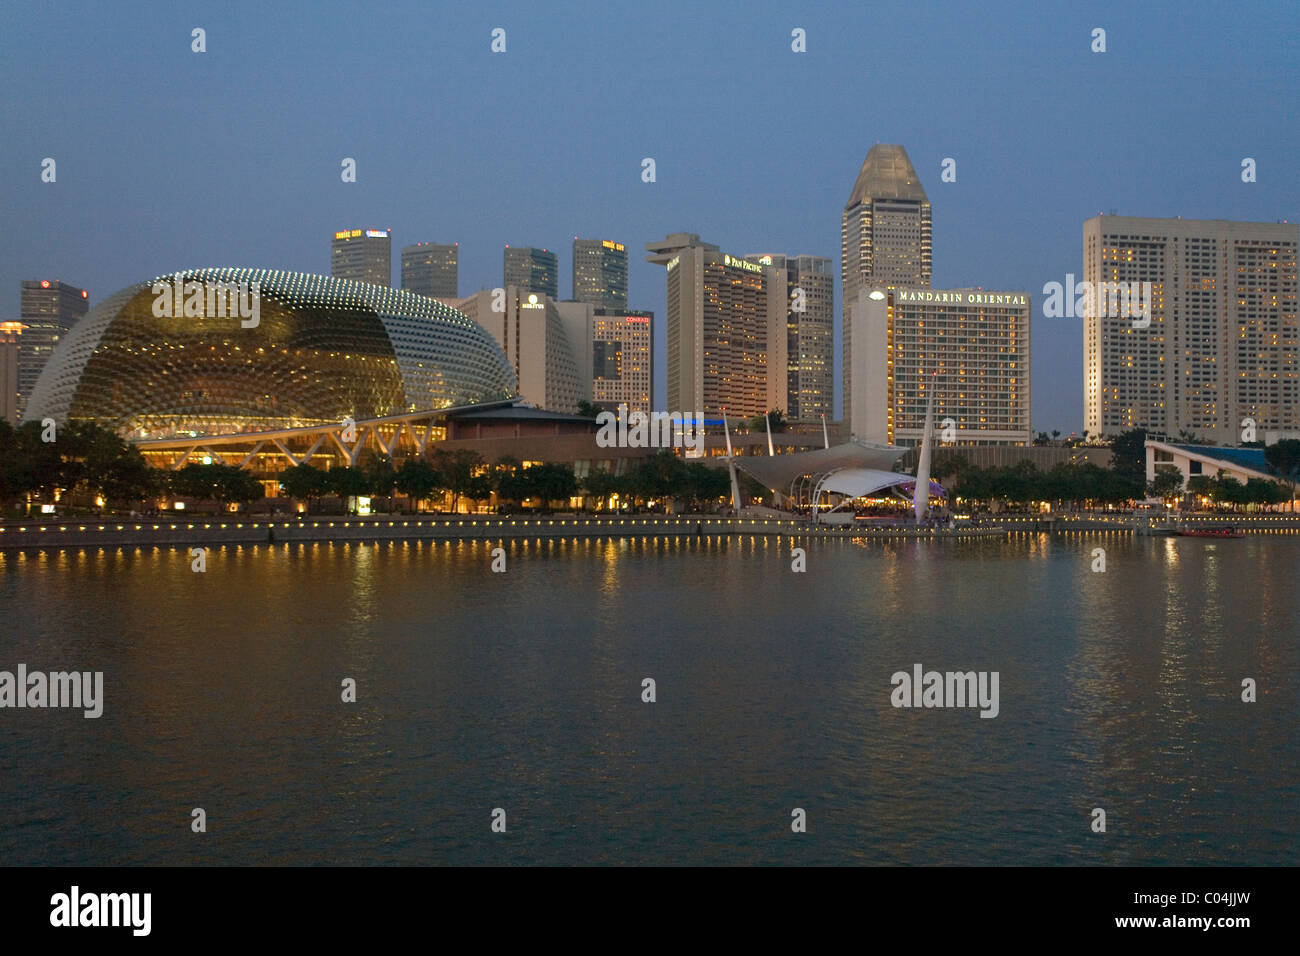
(209, 352)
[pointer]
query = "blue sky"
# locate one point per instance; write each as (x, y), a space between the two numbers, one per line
(170, 159)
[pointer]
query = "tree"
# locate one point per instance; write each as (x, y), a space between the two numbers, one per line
(511, 484)
(195, 481)
(237, 486)
(601, 485)
(1167, 483)
(552, 482)
(1129, 457)
(348, 482)
(380, 476)
(704, 485)
(95, 460)
(948, 466)
(479, 487)
(418, 480)
(128, 477)
(304, 482)
(1202, 486)
(39, 467)
(1229, 491)
(1284, 461)
(1262, 491)
(9, 464)
(229, 484)
(658, 476)
(457, 468)
(588, 409)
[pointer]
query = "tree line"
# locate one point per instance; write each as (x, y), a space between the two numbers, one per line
(1084, 484)
(91, 462)
(464, 474)
(82, 461)
(44, 462)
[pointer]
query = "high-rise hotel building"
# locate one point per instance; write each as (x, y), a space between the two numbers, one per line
(969, 346)
(600, 273)
(810, 344)
(50, 309)
(547, 342)
(431, 269)
(726, 330)
(885, 241)
(622, 359)
(362, 254)
(1221, 343)
(536, 270)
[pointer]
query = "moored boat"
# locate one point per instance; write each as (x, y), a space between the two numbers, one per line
(1225, 532)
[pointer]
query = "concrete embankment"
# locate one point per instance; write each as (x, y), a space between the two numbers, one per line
(82, 533)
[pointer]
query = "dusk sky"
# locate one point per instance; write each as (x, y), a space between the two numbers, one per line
(169, 159)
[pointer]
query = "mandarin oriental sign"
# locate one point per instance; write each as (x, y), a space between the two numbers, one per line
(961, 298)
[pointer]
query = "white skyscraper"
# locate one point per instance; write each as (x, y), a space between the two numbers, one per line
(1221, 344)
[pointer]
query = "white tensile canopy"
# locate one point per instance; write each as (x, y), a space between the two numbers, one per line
(859, 482)
(777, 472)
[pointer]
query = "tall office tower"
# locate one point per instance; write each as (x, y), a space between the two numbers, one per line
(968, 345)
(50, 309)
(10, 343)
(726, 331)
(362, 254)
(884, 238)
(810, 345)
(1221, 343)
(534, 333)
(600, 273)
(622, 359)
(534, 270)
(431, 269)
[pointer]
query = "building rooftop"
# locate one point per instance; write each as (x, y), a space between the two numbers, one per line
(518, 413)
(1252, 458)
(886, 173)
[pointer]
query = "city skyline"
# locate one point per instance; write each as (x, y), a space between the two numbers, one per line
(574, 435)
(1011, 220)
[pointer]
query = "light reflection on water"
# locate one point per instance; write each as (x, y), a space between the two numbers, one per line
(522, 690)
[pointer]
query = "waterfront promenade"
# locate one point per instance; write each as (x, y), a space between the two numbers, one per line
(232, 529)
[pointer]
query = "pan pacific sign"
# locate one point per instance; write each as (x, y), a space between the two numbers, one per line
(733, 263)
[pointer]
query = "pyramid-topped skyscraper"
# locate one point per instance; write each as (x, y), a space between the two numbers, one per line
(885, 239)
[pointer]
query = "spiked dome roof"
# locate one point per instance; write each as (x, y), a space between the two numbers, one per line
(322, 349)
